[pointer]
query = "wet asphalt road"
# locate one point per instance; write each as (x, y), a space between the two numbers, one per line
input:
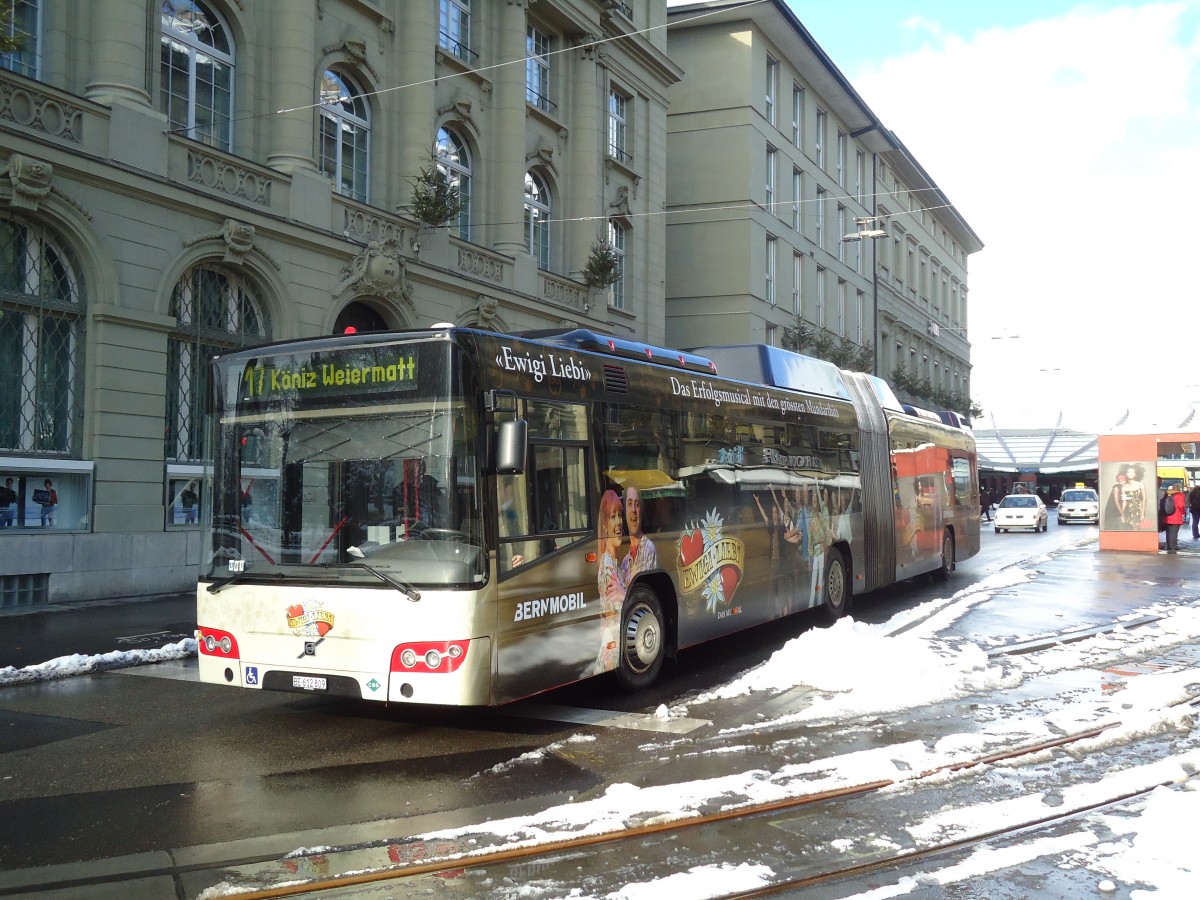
(115, 764)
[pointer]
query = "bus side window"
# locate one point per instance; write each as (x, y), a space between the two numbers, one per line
(513, 502)
(560, 488)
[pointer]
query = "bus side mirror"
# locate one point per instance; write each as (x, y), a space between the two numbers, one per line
(512, 447)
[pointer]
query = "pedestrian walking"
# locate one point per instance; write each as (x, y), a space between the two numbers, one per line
(1174, 504)
(1194, 509)
(985, 505)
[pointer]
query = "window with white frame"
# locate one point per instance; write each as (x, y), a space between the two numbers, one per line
(797, 282)
(860, 314)
(770, 179)
(616, 240)
(797, 117)
(345, 135)
(215, 310)
(772, 335)
(454, 162)
(841, 158)
(22, 26)
(772, 89)
(196, 72)
(860, 175)
(819, 318)
(537, 219)
(42, 309)
(841, 308)
(821, 218)
(454, 23)
(769, 287)
(537, 68)
(618, 113)
(797, 200)
(842, 230)
(819, 147)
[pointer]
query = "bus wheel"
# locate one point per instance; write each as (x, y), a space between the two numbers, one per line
(643, 639)
(948, 563)
(835, 597)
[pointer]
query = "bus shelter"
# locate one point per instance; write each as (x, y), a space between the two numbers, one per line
(1132, 471)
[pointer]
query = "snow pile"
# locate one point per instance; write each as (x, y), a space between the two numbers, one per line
(77, 664)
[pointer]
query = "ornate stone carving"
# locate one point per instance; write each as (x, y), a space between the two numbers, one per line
(238, 238)
(460, 107)
(380, 270)
(31, 181)
(586, 44)
(620, 206)
(471, 262)
(563, 293)
(40, 112)
(355, 49)
(543, 155)
(362, 226)
(223, 176)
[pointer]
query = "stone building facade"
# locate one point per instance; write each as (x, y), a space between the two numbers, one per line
(775, 160)
(188, 176)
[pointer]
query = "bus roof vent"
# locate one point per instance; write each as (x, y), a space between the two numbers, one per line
(616, 380)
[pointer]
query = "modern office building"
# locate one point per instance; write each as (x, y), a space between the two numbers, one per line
(187, 176)
(787, 197)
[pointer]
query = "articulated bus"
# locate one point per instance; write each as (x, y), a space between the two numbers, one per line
(454, 516)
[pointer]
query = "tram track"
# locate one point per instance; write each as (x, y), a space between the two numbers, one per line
(534, 856)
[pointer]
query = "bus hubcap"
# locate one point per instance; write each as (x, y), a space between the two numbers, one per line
(642, 637)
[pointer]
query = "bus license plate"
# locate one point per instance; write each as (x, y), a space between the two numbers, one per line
(309, 682)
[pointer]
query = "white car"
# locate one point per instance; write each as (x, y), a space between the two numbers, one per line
(1079, 505)
(1021, 511)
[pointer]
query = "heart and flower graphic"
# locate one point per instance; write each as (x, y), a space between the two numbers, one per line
(309, 620)
(710, 564)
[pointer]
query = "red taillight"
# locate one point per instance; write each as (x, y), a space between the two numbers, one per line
(214, 642)
(429, 656)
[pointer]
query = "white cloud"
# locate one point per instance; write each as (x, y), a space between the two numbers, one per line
(1070, 145)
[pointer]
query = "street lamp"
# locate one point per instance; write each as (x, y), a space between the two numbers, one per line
(866, 233)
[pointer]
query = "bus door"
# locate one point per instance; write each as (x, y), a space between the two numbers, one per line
(549, 618)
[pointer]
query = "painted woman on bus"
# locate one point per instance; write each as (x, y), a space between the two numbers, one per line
(610, 578)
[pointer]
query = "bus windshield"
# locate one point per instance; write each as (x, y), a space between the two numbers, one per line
(346, 464)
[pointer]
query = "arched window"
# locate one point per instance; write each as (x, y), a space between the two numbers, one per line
(214, 311)
(41, 342)
(345, 135)
(454, 162)
(537, 219)
(196, 72)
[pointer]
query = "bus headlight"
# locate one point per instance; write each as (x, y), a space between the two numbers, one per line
(408, 658)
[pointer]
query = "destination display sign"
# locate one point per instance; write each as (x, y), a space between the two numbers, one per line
(362, 371)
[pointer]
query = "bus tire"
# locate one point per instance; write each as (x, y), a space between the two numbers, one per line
(948, 562)
(834, 593)
(643, 639)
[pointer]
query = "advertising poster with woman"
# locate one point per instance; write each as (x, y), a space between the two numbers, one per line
(1129, 500)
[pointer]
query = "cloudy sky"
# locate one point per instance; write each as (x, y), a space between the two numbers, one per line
(1068, 136)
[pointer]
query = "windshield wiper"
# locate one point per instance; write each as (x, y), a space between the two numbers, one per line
(217, 586)
(406, 589)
